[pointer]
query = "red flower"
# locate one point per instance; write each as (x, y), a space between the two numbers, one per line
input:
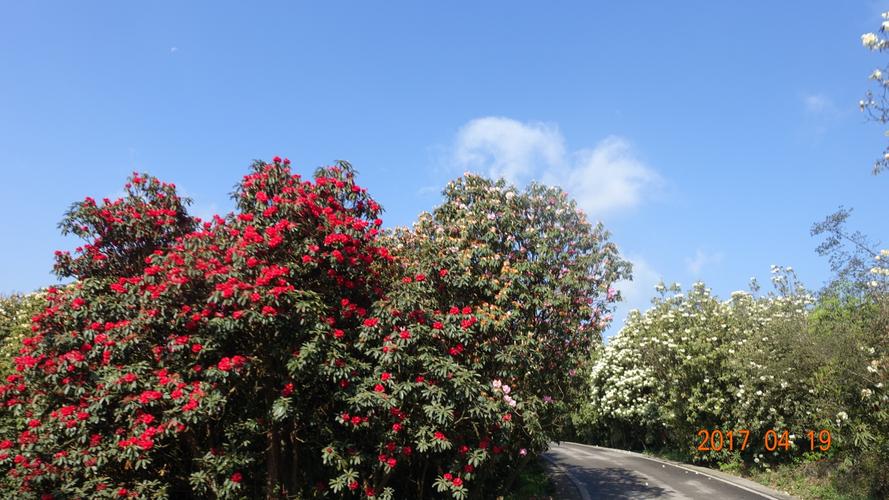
(33, 423)
(371, 322)
(420, 277)
(236, 477)
(196, 348)
(385, 376)
(148, 396)
(396, 427)
(379, 388)
(269, 310)
(443, 273)
(406, 279)
(437, 325)
(237, 314)
(448, 476)
(353, 485)
(122, 492)
(288, 390)
(458, 481)
(225, 364)
(467, 310)
(454, 310)
(440, 436)
(338, 334)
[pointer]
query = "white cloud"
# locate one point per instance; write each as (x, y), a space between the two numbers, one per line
(605, 178)
(173, 50)
(701, 259)
(818, 103)
(508, 148)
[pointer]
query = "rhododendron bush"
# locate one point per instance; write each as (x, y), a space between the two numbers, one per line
(291, 349)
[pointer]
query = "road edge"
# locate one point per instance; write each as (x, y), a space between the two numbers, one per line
(736, 481)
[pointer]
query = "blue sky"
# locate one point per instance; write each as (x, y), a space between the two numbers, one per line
(708, 136)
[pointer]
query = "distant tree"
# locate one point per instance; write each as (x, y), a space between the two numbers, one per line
(851, 254)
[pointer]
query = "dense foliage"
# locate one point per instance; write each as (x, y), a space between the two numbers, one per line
(289, 348)
(783, 361)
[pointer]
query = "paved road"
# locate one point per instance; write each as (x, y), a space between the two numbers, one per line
(590, 472)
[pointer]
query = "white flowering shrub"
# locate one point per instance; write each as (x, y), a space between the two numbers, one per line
(694, 362)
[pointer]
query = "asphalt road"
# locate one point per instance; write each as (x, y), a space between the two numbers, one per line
(590, 472)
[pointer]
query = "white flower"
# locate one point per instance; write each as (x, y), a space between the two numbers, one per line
(869, 40)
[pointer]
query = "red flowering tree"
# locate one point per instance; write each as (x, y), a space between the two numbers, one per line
(194, 359)
(283, 351)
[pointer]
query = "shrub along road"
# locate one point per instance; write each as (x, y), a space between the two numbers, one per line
(588, 472)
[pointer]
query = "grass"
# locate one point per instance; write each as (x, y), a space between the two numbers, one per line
(810, 480)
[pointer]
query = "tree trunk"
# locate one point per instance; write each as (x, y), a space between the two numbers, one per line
(273, 463)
